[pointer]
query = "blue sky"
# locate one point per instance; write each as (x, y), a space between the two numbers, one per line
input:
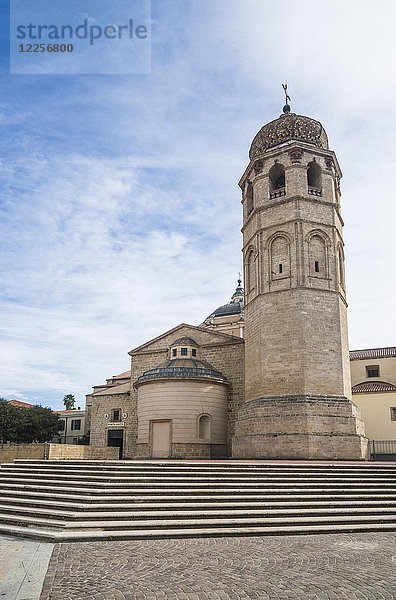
(120, 212)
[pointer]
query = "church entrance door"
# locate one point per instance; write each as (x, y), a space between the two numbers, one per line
(161, 437)
(115, 437)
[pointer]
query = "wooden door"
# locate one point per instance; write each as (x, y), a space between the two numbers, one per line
(161, 435)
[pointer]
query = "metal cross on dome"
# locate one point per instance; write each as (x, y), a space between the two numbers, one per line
(286, 108)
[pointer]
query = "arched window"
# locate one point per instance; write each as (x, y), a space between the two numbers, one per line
(314, 179)
(204, 427)
(341, 267)
(317, 256)
(280, 257)
(250, 271)
(277, 181)
(249, 198)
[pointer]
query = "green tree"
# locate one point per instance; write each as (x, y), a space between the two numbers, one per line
(69, 401)
(27, 425)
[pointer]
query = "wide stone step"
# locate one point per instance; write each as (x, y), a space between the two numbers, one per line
(196, 482)
(202, 523)
(32, 503)
(94, 500)
(208, 464)
(96, 535)
(118, 499)
(160, 492)
(154, 483)
(217, 513)
(77, 470)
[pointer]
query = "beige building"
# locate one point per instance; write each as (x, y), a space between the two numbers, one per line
(373, 374)
(266, 375)
(73, 426)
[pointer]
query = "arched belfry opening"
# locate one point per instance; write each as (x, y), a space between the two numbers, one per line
(249, 198)
(277, 181)
(314, 179)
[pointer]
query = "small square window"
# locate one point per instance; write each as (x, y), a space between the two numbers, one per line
(372, 371)
(183, 351)
(116, 414)
(174, 352)
(393, 413)
(194, 352)
(76, 424)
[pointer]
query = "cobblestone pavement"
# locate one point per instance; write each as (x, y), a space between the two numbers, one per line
(314, 567)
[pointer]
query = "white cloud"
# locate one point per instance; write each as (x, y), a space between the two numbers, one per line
(121, 211)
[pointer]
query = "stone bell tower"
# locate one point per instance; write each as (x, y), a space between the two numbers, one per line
(297, 396)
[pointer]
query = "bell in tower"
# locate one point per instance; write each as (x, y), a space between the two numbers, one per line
(297, 391)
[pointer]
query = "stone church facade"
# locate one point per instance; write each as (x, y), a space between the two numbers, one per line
(274, 381)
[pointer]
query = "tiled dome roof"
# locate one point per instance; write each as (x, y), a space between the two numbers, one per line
(286, 128)
(189, 368)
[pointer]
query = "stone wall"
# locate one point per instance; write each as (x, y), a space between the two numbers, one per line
(300, 428)
(75, 452)
(100, 417)
(9, 452)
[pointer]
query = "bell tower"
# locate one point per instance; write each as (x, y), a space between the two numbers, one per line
(297, 396)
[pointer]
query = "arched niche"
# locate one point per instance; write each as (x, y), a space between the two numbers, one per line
(250, 270)
(341, 266)
(318, 254)
(279, 256)
(204, 427)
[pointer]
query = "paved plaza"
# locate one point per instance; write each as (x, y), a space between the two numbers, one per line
(313, 567)
(335, 566)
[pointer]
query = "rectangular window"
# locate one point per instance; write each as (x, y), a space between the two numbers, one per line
(372, 371)
(183, 351)
(393, 413)
(316, 266)
(116, 414)
(76, 424)
(62, 425)
(280, 268)
(174, 352)
(194, 352)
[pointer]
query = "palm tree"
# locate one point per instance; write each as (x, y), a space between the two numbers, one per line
(69, 401)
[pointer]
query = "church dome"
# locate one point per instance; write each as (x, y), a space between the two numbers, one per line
(286, 128)
(234, 307)
(186, 368)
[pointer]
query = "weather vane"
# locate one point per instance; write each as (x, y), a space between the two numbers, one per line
(286, 108)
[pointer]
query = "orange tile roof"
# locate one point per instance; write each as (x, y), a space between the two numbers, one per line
(20, 404)
(370, 387)
(124, 375)
(373, 353)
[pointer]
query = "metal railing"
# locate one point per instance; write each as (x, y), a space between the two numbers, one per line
(382, 450)
(278, 193)
(314, 191)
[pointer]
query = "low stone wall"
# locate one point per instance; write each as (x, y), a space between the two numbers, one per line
(75, 452)
(9, 452)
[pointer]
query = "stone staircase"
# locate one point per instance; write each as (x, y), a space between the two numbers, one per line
(116, 500)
